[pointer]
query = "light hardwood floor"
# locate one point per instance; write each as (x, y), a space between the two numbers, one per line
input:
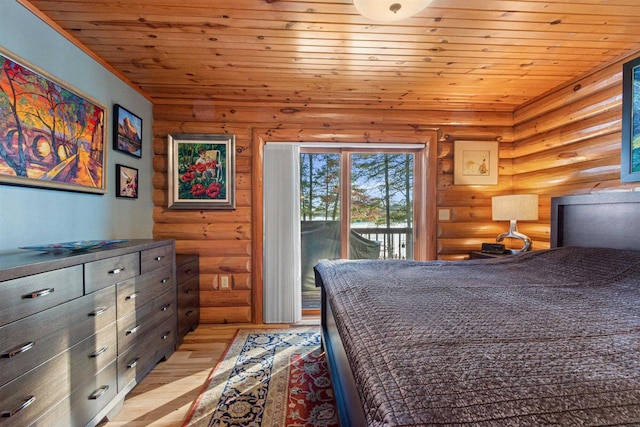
(163, 398)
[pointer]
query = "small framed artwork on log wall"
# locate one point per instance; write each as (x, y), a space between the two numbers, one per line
(475, 162)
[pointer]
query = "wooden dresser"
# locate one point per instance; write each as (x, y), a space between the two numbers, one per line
(79, 330)
(187, 272)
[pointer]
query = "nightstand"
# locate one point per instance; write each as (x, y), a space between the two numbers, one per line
(484, 255)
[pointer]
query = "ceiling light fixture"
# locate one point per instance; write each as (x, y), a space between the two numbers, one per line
(389, 10)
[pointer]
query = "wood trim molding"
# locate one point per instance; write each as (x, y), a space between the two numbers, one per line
(257, 220)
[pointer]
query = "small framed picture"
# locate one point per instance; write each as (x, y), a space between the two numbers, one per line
(475, 163)
(127, 131)
(126, 182)
(201, 171)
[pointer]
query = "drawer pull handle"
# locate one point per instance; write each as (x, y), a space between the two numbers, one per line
(165, 280)
(166, 335)
(187, 291)
(99, 392)
(132, 296)
(40, 293)
(188, 271)
(97, 312)
(165, 307)
(117, 270)
(134, 363)
(132, 330)
(99, 352)
(189, 313)
(159, 258)
(29, 401)
(17, 350)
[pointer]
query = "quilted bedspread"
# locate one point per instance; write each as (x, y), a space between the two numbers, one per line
(545, 337)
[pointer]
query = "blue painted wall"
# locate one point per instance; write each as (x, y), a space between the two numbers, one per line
(32, 216)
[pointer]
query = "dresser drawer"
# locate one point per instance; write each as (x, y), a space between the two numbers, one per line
(136, 292)
(84, 403)
(188, 314)
(142, 357)
(187, 267)
(189, 287)
(31, 341)
(188, 306)
(97, 351)
(27, 295)
(108, 271)
(54, 380)
(153, 259)
(134, 326)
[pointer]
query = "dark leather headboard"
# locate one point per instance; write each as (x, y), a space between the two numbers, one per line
(609, 220)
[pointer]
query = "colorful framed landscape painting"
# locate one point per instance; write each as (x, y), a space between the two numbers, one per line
(630, 155)
(201, 171)
(50, 136)
(127, 131)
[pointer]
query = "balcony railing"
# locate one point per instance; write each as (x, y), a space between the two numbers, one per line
(395, 243)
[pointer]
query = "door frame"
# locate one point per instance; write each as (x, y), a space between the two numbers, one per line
(426, 185)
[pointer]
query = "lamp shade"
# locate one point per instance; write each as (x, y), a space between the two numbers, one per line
(521, 207)
(389, 10)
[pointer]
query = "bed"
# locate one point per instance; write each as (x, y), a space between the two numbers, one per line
(544, 337)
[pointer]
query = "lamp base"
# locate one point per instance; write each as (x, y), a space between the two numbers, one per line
(514, 234)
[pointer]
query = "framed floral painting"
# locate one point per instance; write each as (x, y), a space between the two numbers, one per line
(201, 171)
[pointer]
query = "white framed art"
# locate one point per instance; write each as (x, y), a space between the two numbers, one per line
(475, 162)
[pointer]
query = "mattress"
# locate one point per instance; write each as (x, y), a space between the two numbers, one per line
(545, 337)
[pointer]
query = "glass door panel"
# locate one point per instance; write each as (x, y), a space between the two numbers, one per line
(319, 217)
(366, 196)
(381, 206)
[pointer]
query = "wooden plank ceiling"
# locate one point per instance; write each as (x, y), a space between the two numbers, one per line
(480, 55)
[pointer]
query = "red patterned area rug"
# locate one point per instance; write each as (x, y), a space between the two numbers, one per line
(268, 378)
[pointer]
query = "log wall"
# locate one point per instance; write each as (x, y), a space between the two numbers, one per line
(567, 142)
(223, 239)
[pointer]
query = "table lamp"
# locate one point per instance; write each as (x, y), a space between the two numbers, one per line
(512, 208)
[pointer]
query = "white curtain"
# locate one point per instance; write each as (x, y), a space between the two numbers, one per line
(282, 294)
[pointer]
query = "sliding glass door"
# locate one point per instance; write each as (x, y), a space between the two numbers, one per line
(354, 204)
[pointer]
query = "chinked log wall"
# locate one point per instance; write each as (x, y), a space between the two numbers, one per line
(567, 142)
